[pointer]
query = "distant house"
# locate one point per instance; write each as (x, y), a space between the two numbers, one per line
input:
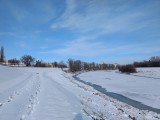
(50, 65)
(102, 62)
(116, 65)
(108, 66)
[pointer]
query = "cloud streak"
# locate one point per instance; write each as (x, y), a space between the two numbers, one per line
(7, 33)
(80, 47)
(103, 17)
(106, 17)
(89, 29)
(86, 47)
(32, 11)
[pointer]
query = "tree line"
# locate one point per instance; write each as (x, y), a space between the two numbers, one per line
(77, 65)
(131, 68)
(73, 65)
(152, 62)
(40, 63)
(29, 60)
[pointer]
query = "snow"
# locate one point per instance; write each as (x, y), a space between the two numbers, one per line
(148, 72)
(51, 94)
(30, 94)
(142, 86)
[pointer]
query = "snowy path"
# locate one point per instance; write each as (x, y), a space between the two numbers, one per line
(20, 103)
(56, 102)
(37, 96)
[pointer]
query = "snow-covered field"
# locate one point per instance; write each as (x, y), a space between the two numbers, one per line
(51, 94)
(143, 86)
(148, 72)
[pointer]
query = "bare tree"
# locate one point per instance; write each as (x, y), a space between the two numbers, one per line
(152, 62)
(27, 60)
(62, 65)
(40, 64)
(55, 64)
(155, 58)
(74, 65)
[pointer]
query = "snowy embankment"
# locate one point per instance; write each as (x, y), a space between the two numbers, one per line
(51, 94)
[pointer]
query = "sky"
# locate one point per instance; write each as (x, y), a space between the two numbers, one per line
(113, 31)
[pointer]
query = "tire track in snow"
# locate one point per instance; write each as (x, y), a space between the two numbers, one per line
(15, 92)
(21, 103)
(33, 100)
(55, 102)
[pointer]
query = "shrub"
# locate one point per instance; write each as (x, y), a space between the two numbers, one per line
(40, 64)
(127, 69)
(13, 61)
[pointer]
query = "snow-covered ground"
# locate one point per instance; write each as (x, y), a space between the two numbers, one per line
(51, 94)
(29, 93)
(142, 86)
(148, 72)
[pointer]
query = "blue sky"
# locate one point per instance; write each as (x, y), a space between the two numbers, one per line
(120, 31)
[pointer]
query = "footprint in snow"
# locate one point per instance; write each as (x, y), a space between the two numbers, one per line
(1, 104)
(29, 106)
(12, 96)
(23, 117)
(9, 99)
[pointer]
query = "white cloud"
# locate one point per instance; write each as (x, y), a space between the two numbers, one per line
(80, 47)
(21, 44)
(43, 47)
(105, 17)
(37, 31)
(32, 11)
(7, 33)
(85, 47)
(90, 47)
(102, 17)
